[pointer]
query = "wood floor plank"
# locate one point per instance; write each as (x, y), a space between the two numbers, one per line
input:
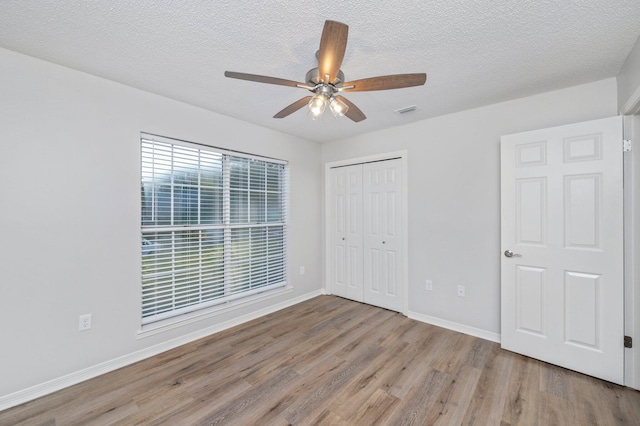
(241, 406)
(523, 393)
(376, 409)
(331, 361)
(272, 411)
(328, 418)
(118, 413)
(401, 327)
(555, 381)
(334, 341)
(425, 352)
(414, 408)
(479, 352)
(324, 391)
(452, 353)
(368, 337)
(398, 374)
(585, 390)
(489, 398)
(368, 382)
(457, 393)
(555, 410)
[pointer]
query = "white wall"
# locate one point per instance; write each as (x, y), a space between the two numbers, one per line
(629, 80)
(70, 215)
(454, 194)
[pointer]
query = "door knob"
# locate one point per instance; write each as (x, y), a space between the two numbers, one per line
(509, 253)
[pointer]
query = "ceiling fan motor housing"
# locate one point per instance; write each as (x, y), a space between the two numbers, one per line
(313, 78)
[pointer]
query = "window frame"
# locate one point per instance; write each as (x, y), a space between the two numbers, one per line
(228, 227)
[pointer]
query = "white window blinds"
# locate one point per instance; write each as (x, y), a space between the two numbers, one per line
(213, 226)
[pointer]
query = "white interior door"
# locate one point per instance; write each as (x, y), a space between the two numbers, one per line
(562, 226)
(383, 243)
(346, 232)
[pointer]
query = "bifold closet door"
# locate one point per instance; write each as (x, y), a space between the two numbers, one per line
(383, 234)
(366, 233)
(346, 232)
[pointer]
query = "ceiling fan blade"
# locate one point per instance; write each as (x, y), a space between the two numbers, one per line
(293, 107)
(332, 46)
(262, 79)
(353, 112)
(386, 82)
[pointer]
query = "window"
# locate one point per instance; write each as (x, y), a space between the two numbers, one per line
(213, 226)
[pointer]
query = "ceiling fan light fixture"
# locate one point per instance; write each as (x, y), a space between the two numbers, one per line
(338, 108)
(317, 105)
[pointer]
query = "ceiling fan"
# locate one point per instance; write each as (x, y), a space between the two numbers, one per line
(327, 80)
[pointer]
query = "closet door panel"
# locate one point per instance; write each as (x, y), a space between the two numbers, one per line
(346, 232)
(382, 194)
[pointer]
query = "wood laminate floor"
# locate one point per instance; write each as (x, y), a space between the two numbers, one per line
(332, 361)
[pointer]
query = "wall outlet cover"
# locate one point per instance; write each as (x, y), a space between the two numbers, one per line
(84, 322)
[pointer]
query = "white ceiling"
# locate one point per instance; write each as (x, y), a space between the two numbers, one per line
(474, 52)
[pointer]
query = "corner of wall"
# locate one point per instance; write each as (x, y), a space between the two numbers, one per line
(628, 81)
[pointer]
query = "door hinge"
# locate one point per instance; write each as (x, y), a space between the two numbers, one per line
(626, 145)
(628, 342)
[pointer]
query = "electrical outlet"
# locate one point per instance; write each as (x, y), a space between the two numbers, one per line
(85, 322)
(302, 270)
(428, 285)
(461, 291)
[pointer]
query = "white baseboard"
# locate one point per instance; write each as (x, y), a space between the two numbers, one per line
(472, 331)
(54, 385)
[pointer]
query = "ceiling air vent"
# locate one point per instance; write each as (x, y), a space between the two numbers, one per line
(406, 110)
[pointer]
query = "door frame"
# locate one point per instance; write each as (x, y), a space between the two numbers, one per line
(631, 178)
(402, 156)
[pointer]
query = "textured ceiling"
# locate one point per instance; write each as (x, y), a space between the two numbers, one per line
(474, 52)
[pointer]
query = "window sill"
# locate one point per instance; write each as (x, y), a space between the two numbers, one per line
(148, 330)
